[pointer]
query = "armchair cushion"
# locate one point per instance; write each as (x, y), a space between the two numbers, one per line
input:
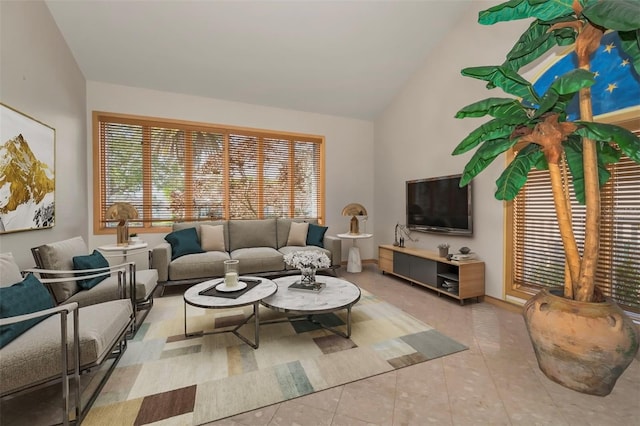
(94, 260)
(184, 241)
(315, 236)
(25, 297)
(9, 270)
(59, 256)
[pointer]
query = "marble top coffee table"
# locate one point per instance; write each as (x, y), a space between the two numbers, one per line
(251, 297)
(338, 294)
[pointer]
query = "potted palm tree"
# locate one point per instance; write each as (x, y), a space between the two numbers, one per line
(581, 339)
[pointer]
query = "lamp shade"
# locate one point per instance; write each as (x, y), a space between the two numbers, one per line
(353, 210)
(122, 212)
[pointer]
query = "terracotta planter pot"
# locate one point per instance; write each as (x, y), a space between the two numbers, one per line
(582, 346)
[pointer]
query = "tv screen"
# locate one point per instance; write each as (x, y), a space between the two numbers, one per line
(439, 205)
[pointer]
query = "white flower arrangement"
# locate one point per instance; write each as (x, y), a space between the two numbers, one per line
(307, 259)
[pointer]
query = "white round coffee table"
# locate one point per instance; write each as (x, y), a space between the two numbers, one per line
(337, 294)
(252, 297)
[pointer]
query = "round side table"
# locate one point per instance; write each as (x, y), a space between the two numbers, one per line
(354, 264)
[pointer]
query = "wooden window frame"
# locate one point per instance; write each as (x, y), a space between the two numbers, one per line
(99, 221)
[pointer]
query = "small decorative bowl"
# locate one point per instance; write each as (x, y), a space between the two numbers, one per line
(465, 250)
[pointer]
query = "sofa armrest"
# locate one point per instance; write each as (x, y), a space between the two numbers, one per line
(160, 259)
(334, 245)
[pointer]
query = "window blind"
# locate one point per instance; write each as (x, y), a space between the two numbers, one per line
(538, 256)
(177, 171)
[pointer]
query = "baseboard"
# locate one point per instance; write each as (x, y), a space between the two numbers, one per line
(503, 304)
(363, 261)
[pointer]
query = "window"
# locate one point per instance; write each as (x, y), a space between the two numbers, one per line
(535, 257)
(178, 171)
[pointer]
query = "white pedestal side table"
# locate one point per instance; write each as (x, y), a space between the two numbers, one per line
(354, 264)
(114, 250)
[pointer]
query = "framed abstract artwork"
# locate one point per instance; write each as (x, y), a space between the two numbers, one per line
(27, 172)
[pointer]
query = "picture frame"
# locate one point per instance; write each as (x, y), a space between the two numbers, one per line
(27, 181)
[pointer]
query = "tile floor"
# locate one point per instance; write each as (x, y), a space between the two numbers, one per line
(495, 382)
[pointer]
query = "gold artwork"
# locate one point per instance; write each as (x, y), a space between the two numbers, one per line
(27, 179)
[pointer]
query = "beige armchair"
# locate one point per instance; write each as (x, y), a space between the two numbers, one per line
(55, 260)
(57, 347)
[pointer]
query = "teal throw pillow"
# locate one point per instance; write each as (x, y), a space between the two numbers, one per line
(315, 235)
(184, 241)
(94, 260)
(25, 297)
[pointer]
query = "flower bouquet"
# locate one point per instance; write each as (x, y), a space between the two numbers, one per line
(307, 262)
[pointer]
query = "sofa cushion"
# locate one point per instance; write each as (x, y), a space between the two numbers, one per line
(225, 228)
(184, 241)
(252, 233)
(94, 260)
(24, 297)
(298, 234)
(35, 355)
(201, 265)
(258, 259)
(212, 237)
(284, 225)
(315, 235)
(9, 270)
(59, 256)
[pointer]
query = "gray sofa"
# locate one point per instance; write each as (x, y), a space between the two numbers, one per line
(259, 245)
(56, 260)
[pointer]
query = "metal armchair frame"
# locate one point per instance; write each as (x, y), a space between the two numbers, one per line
(73, 372)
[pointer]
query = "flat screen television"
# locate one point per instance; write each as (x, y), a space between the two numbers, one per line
(439, 205)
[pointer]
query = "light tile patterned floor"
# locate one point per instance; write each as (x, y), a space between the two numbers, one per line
(496, 382)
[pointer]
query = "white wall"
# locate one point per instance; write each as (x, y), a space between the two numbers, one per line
(415, 135)
(40, 78)
(349, 144)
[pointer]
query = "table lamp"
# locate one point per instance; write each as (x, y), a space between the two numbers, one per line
(353, 210)
(122, 212)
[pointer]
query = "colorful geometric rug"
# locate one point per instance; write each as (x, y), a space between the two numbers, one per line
(164, 376)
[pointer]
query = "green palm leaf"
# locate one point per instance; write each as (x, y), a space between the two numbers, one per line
(618, 15)
(567, 84)
(484, 156)
(494, 129)
(537, 40)
(515, 175)
(627, 141)
(495, 107)
(506, 79)
(573, 81)
(573, 152)
(630, 43)
(520, 9)
(608, 153)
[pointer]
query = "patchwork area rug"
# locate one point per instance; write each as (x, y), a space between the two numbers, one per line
(165, 376)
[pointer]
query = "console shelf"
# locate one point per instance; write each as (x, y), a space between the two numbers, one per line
(458, 279)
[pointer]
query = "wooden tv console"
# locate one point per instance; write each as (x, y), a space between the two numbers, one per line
(428, 269)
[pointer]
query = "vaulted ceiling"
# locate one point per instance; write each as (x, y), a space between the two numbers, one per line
(345, 58)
